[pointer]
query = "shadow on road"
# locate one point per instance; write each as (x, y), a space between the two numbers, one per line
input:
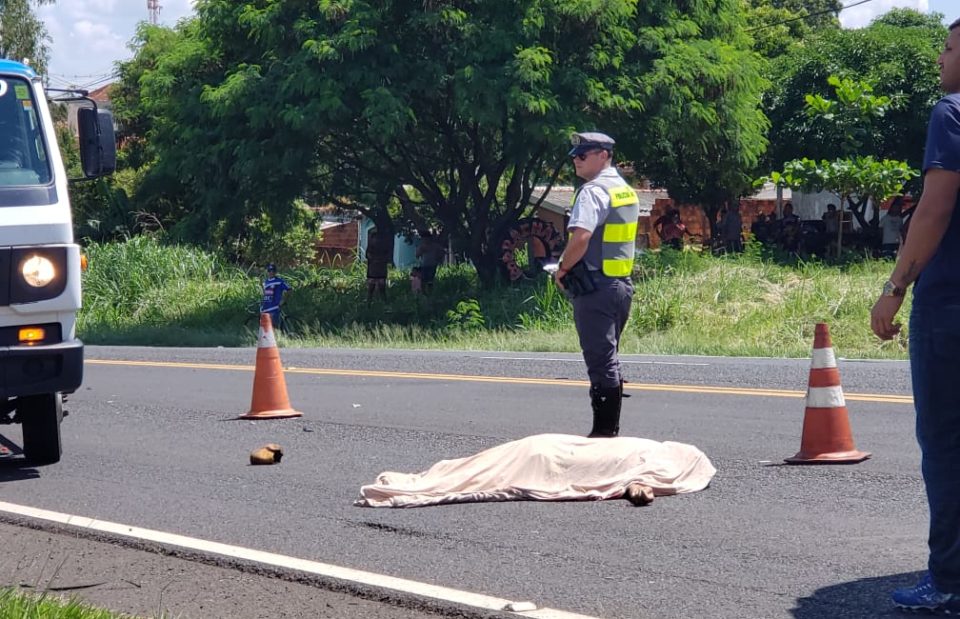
(860, 599)
(12, 465)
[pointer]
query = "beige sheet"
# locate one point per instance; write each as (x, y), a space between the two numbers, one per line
(547, 467)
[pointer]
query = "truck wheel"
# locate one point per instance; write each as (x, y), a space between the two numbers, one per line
(40, 417)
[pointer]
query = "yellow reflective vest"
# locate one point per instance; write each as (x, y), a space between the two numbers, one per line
(613, 243)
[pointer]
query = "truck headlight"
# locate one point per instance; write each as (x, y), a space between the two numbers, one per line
(38, 271)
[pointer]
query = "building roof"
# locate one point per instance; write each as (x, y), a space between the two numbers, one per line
(560, 198)
(769, 192)
(16, 68)
(102, 94)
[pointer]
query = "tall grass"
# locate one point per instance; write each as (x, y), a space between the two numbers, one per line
(15, 605)
(752, 304)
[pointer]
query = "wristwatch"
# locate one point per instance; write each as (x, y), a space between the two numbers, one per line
(890, 289)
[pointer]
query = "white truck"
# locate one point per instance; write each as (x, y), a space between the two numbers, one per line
(41, 358)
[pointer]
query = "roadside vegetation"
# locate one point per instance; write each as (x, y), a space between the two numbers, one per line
(16, 605)
(754, 304)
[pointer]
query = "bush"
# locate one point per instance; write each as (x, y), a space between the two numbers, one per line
(292, 242)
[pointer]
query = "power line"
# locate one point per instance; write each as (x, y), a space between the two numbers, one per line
(98, 83)
(91, 84)
(75, 77)
(807, 16)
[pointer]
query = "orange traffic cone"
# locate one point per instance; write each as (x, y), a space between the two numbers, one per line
(826, 430)
(270, 399)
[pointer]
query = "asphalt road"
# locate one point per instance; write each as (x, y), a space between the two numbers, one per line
(157, 445)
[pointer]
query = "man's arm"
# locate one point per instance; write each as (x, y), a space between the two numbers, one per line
(927, 227)
(574, 251)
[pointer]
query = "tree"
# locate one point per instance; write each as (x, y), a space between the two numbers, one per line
(893, 55)
(909, 18)
(707, 151)
(159, 195)
(855, 179)
(438, 114)
(778, 25)
(22, 34)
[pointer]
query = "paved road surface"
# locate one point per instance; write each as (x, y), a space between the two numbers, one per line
(153, 442)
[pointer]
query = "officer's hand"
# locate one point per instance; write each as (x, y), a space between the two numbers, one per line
(558, 276)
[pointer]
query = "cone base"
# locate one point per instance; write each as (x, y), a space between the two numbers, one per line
(837, 457)
(281, 413)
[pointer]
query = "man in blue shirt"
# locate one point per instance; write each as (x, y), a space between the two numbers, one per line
(273, 289)
(930, 256)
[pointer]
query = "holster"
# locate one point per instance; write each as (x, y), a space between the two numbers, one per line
(578, 281)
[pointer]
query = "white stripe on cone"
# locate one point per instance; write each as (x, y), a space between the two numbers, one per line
(823, 358)
(825, 397)
(266, 339)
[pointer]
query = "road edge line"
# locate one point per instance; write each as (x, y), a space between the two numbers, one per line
(275, 560)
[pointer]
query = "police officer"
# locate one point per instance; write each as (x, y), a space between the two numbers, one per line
(595, 267)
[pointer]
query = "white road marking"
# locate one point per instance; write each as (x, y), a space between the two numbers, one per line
(445, 594)
(624, 361)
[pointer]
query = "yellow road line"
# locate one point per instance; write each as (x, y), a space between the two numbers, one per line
(746, 391)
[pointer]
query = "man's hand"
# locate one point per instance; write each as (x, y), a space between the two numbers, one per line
(559, 275)
(882, 315)
(576, 247)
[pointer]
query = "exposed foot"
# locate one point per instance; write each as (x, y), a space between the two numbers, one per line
(638, 494)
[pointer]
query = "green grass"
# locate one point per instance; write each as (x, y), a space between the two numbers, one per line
(16, 605)
(754, 304)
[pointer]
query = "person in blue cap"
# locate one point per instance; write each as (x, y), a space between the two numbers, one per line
(595, 270)
(274, 288)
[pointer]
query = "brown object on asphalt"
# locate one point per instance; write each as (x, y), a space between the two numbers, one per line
(268, 454)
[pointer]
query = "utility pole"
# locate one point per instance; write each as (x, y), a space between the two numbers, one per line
(153, 7)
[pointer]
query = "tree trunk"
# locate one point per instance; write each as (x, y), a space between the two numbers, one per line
(711, 211)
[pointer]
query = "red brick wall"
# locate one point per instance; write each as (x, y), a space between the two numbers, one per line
(694, 218)
(338, 244)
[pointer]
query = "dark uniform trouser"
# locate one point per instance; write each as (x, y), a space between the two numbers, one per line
(600, 317)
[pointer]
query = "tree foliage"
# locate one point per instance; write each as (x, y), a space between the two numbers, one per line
(896, 55)
(440, 114)
(706, 150)
(22, 35)
(855, 178)
(778, 25)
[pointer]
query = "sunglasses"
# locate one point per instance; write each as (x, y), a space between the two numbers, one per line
(583, 156)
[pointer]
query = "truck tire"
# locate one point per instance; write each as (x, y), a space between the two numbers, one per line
(40, 417)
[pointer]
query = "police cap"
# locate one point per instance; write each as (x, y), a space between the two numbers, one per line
(585, 142)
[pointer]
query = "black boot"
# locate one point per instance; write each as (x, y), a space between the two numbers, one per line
(606, 411)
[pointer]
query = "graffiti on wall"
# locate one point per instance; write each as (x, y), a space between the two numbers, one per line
(545, 243)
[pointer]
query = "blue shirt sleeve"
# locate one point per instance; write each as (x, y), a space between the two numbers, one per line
(943, 136)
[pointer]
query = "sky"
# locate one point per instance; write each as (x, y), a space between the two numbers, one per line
(90, 35)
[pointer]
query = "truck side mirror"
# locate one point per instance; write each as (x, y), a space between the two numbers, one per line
(98, 145)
